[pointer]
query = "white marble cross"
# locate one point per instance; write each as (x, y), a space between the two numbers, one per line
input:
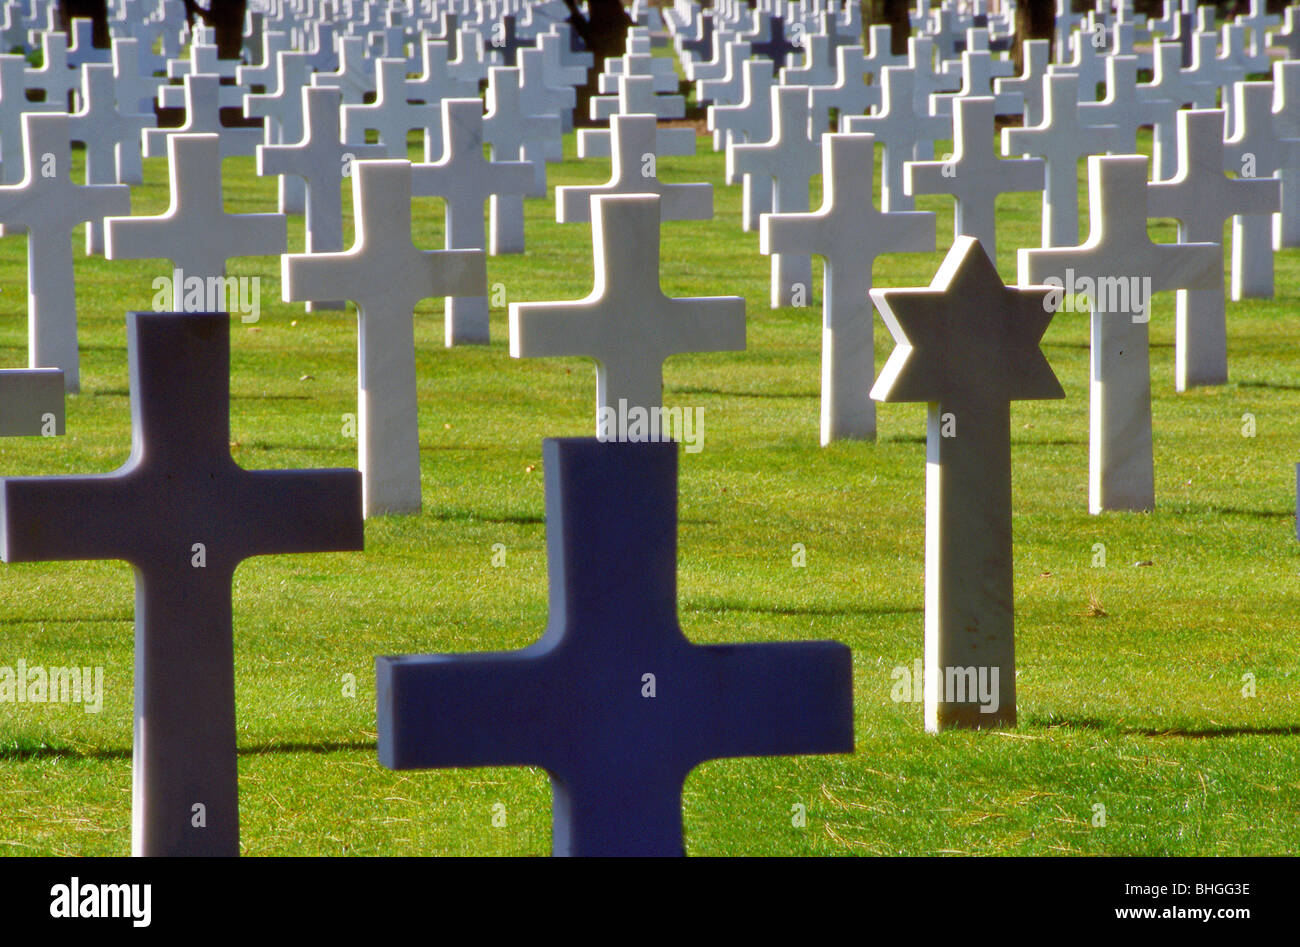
(391, 115)
(13, 106)
(539, 98)
(1286, 119)
(635, 95)
(627, 324)
(1088, 63)
(728, 88)
(515, 135)
(203, 117)
(816, 67)
(1118, 268)
(636, 98)
(1065, 135)
(46, 205)
(263, 73)
(788, 160)
(386, 276)
(749, 120)
(354, 76)
(106, 133)
(977, 82)
(967, 346)
(435, 82)
(659, 70)
(321, 161)
(1121, 106)
(195, 233)
(558, 71)
(848, 233)
(465, 181)
(848, 92)
(900, 127)
(280, 108)
(1171, 88)
(1257, 147)
(1029, 84)
(137, 90)
(974, 175)
(55, 77)
(634, 170)
(1202, 200)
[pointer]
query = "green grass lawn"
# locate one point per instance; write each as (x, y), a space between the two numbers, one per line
(1140, 710)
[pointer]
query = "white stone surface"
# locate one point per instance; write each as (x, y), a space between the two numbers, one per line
(626, 323)
(386, 276)
(848, 233)
(1118, 268)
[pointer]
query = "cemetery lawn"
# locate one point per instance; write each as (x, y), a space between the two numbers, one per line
(1133, 658)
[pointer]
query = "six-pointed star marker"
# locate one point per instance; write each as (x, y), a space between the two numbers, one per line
(967, 336)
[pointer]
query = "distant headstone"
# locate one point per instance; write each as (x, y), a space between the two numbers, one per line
(1258, 147)
(1202, 199)
(195, 233)
(788, 160)
(386, 276)
(634, 170)
(627, 324)
(465, 180)
(322, 161)
(515, 135)
(46, 206)
(848, 233)
(974, 175)
(1118, 268)
(391, 116)
(203, 117)
(1065, 135)
(902, 130)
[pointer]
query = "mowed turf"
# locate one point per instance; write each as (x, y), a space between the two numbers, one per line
(1130, 675)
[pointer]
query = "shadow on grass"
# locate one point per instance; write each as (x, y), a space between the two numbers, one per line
(21, 750)
(809, 611)
(66, 619)
(254, 396)
(1238, 511)
(473, 516)
(1275, 385)
(1192, 733)
(723, 393)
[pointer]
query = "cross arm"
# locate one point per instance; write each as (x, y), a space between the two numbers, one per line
(313, 276)
(45, 519)
(466, 710)
(793, 233)
(772, 699)
(295, 511)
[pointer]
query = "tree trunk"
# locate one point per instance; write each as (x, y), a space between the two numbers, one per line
(604, 32)
(897, 15)
(1035, 19)
(93, 10)
(226, 17)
